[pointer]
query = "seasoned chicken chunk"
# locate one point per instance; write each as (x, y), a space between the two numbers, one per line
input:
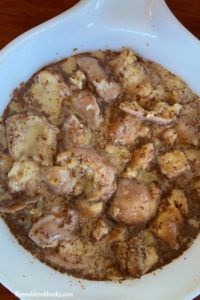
(173, 164)
(140, 160)
(100, 228)
(134, 202)
(106, 88)
(125, 130)
(128, 68)
(49, 230)
(96, 173)
(163, 113)
(75, 134)
(21, 173)
(137, 256)
(31, 136)
(60, 180)
(86, 107)
(46, 94)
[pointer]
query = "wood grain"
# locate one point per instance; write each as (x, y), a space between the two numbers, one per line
(17, 16)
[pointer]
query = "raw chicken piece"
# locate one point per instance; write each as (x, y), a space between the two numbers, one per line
(125, 130)
(106, 88)
(49, 230)
(74, 133)
(86, 107)
(89, 165)
(60, 180)
(134, 202)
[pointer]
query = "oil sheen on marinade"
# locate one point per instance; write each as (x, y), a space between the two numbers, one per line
(100, 165)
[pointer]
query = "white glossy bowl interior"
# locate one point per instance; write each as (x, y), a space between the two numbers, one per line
(149, 27)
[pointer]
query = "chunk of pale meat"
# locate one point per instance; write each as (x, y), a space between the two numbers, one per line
(173, 164)
(163, 113)
(140, 160)
(74, 133)
(106, 88)
(125, 130)
(49, 230)
(86, 107)
(31, 137)
(73, 255)
(60, 180)
(134, 202)
(46, 94)
(89, 164)
(21, 174)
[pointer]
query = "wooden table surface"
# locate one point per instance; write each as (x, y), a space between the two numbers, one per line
(17, 16)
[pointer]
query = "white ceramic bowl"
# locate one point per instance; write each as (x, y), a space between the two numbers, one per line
(149, 27)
